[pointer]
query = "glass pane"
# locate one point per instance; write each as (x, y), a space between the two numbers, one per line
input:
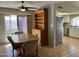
(22, 24)
(75, 21)
(13, 23)
(7, 24)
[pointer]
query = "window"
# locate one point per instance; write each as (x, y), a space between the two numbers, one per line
(75, 21)
(14, 23)
(11, 24)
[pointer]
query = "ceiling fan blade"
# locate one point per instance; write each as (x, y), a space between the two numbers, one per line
(27, 8)
(31, 7)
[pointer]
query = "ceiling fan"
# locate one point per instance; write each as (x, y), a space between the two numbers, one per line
(22, 8)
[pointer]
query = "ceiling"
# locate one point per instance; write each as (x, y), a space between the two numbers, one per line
(16, 4)
(68, 6)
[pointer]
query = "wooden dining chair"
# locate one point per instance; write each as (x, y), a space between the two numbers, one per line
(14, 45)
(30, 48)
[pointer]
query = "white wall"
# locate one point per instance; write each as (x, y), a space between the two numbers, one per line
(2, 28)
(51, 24)
(30, 23)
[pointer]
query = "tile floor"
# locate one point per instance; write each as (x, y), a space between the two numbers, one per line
(69, 48)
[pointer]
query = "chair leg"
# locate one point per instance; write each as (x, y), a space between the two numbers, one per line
(37, 51)
(13, 52)
(21, 51)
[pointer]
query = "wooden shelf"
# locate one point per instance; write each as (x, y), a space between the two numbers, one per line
(39, 18)
(41, 23)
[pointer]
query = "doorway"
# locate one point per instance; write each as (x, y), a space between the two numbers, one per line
(70, 28)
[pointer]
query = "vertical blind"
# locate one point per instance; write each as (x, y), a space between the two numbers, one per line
(11, 24)
(14, 23)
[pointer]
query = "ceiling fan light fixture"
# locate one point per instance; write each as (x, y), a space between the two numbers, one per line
(22, 8)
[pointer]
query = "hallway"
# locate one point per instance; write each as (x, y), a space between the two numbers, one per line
(70, 48)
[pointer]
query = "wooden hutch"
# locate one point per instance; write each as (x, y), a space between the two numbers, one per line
(41, 26)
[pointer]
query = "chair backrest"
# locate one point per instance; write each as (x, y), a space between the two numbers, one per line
(31, 48)
(10, 40)
(18, 32)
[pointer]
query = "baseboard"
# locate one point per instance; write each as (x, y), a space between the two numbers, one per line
(73, 37)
